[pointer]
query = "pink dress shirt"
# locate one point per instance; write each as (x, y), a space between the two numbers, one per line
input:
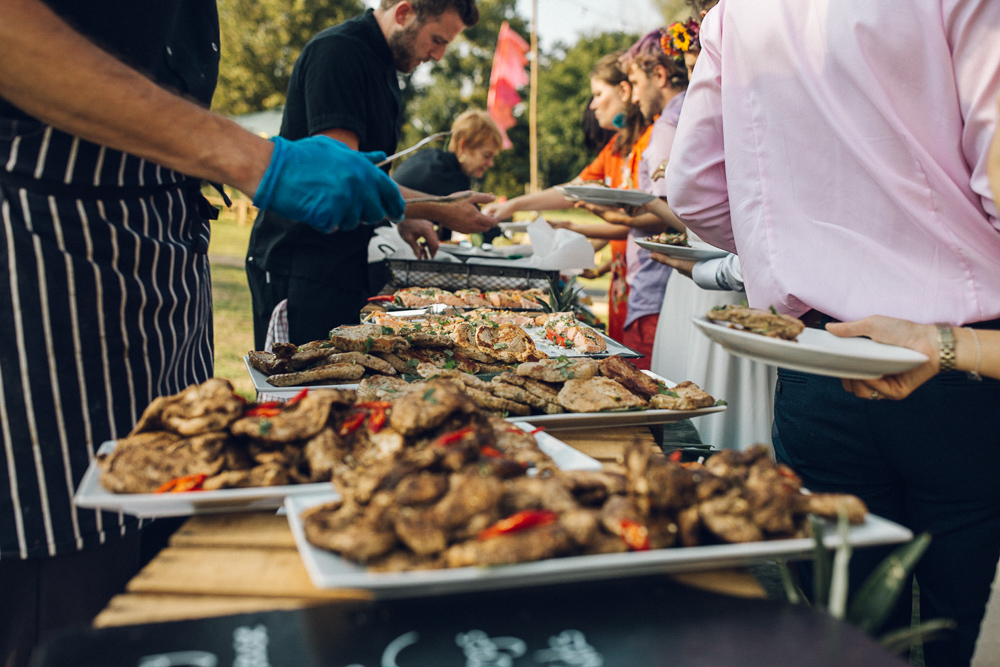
(840, 148)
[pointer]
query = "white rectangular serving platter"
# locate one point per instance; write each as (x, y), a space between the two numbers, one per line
(262, 387)
(328, 570)
(568, 420)
(93, 495)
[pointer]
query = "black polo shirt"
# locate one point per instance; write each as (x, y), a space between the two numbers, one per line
(433, 171)
(344, 78)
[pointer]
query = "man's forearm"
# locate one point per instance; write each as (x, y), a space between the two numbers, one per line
(56, 75)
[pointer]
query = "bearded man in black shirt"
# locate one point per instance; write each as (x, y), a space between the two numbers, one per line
(344, 85)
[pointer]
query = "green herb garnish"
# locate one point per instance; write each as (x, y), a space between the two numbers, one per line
(773, 311)
(429, 396)
(388, 331)
(721, 402)
(368, 344)
(448, 365)
(265, 426)
(412, 363)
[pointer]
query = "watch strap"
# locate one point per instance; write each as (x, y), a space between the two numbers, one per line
(946, 348)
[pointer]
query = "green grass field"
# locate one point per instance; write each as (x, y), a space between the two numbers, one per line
(233, 319)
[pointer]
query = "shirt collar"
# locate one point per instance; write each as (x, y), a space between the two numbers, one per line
(375, 37)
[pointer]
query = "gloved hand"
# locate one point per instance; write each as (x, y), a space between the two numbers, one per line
(326, 185)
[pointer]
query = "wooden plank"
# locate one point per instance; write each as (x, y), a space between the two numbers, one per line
(251, 529)
(133, 609)
(231, 571)
(737, 582)
(606, 445)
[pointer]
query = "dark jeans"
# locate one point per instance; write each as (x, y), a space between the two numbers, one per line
(41, 595)
(930, 462)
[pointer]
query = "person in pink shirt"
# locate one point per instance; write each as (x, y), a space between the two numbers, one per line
(841, 150)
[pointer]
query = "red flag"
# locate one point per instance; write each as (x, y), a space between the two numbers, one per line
(507, 76)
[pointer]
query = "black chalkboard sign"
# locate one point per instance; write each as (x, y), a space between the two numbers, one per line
(640, 622)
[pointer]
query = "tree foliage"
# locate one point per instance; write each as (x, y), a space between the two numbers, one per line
(673, 10)
(261, 40)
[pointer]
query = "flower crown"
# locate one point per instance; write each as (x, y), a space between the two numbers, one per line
(680, 38)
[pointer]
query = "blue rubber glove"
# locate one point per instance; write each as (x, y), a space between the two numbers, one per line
(326, 185)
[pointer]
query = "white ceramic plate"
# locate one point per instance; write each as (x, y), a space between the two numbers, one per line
(328, 570)
(697, 251)
(262, 387)
(554, 351)
(91, 494)
(816, 351)
(596, 194)
(624, 418)
(514, 227)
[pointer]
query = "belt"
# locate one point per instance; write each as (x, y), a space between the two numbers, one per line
(815, 319)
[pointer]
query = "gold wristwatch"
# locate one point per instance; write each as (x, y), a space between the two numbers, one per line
(946, 348)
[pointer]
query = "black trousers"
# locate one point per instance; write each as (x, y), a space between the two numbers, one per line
(42, 595)
(327, 298)
(930, 462)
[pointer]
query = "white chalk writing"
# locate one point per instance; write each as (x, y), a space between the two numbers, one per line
(483, 651)
(570, 649)
(250, 646)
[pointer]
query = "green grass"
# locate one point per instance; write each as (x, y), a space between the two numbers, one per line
(231, 299)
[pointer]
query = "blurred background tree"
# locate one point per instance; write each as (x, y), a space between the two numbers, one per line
(261, 40)
(673, 10)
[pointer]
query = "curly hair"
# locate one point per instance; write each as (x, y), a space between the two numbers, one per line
(429, 9)
(647, 54)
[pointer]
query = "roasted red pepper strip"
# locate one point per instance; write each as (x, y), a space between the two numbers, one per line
(297, 397)
(376, 419)
(635, 535)
(536, 430)
(352, 423)
(266, 410)
(454, 436)
(675, 456)
(520, 521)
(382, 297)
(490, 451)
(181, 484)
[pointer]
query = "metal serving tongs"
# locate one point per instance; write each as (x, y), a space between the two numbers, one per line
(407, 151)
(445, 199)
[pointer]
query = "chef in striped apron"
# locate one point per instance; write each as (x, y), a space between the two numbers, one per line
(105, 291)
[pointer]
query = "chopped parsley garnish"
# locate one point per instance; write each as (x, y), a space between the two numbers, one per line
(265, 426)
(368, 344)
(412, 363)
(721, 402)
(449, 353)
(499, 346)
(773, 311)
(429, 396)
(388, 331)
(448, 365)
(672, 394)
(418, 327)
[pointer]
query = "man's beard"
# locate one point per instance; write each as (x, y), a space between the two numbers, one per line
(401, 46)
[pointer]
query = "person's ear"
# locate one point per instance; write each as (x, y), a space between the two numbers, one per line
(624, 91)
(660, 77)
(403, 13)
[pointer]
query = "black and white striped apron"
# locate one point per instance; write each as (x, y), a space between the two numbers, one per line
(105, 303)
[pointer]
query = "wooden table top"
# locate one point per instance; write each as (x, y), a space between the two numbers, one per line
(247, 562)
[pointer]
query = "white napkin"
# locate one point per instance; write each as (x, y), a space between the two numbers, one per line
(552, 250)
